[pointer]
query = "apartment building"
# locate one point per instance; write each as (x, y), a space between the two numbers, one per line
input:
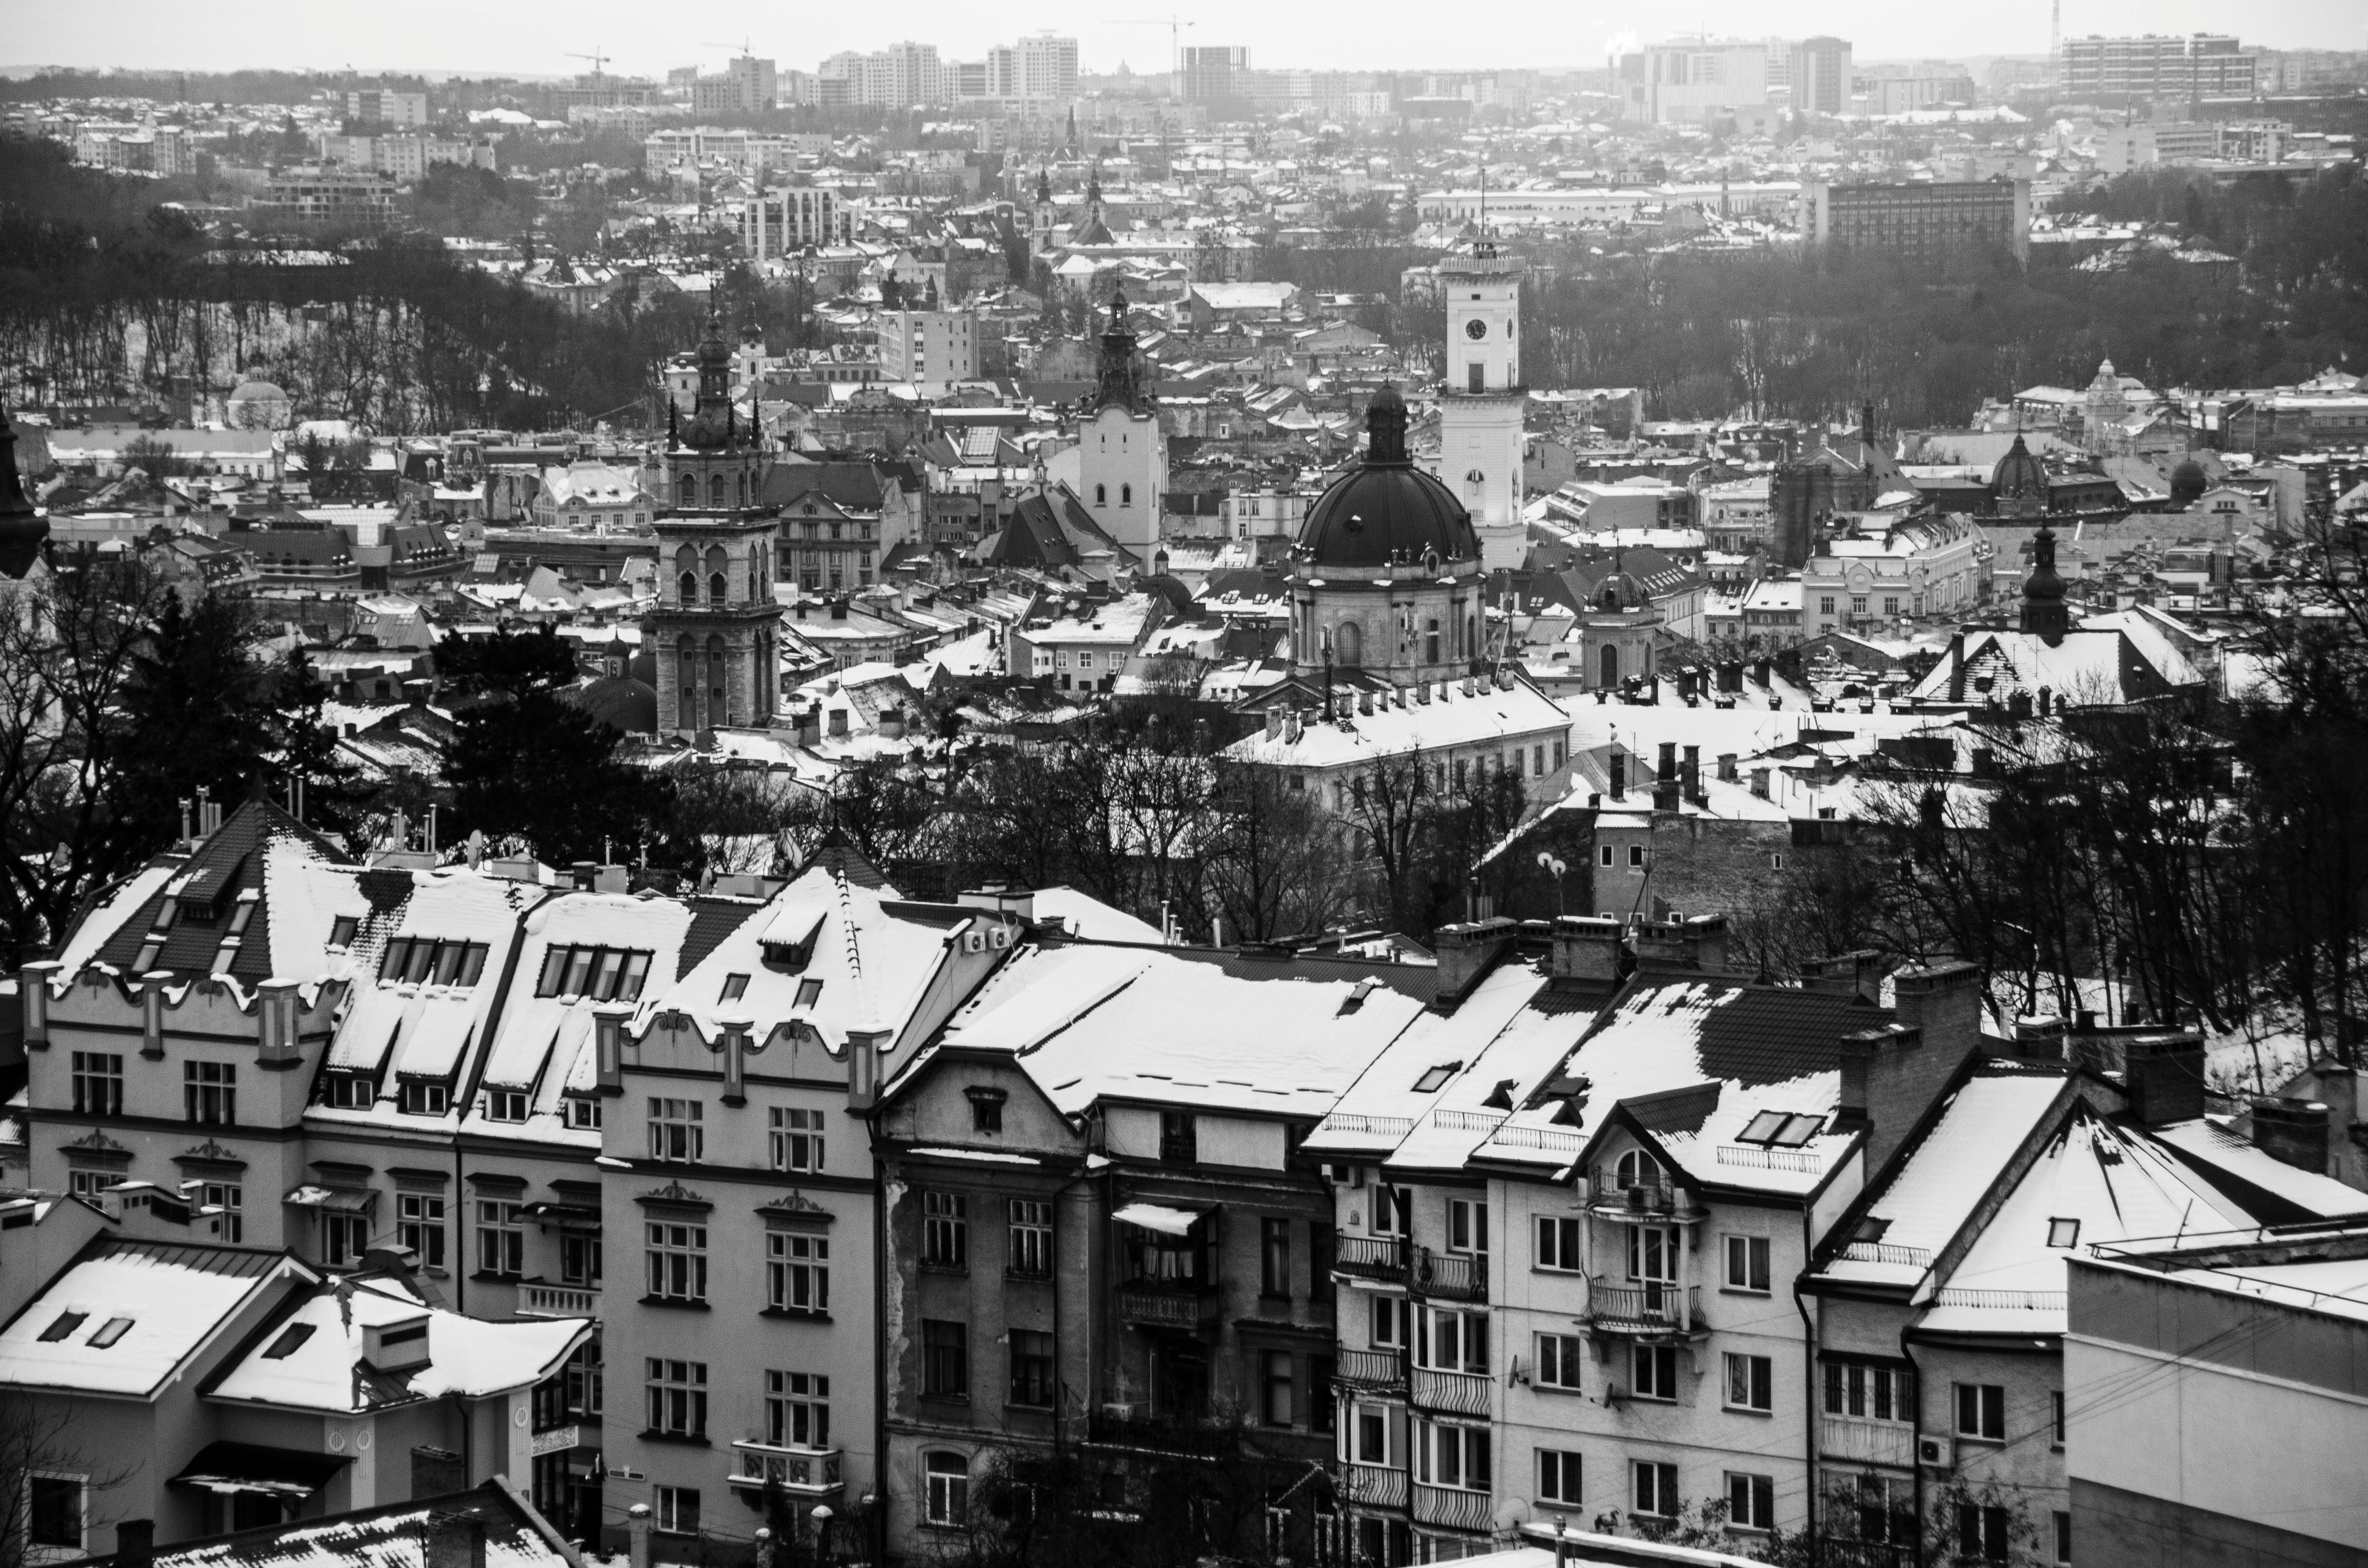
(2207, 65)
(780, 221)
(1929, 221)
(932, 349)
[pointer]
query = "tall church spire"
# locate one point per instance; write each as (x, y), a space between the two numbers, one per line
(2044, 613)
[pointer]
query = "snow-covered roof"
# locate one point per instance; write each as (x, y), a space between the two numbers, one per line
(1082, 914)
(128, 1315)
(1485, 715)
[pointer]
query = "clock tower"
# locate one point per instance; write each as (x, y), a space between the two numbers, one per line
(1482, 400)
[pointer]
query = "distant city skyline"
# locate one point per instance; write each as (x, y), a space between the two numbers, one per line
(541, 36)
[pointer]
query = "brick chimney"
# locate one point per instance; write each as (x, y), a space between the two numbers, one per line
(1944, 1003)
(1890, 1077)
(1690, 774)
(2165, 1076)
(1859, 972)
(1586, 948)
(1466, 950)
(1696, 944)
(2294, 1132)
(1618, 767)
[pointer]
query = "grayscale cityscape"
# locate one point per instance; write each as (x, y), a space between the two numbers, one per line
(1247, 789)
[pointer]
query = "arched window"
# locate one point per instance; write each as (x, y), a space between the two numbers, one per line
(1348, 644)
(741, 483)
(687, 490)
(1101, 494)
(718, 564)
(688, 585)
(1126, 495)
(718, 588)
(715, 492)
(1636, 1168)
(1610, 664)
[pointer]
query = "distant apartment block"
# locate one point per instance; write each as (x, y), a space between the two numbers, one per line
(1685, 83)
(407, 158)
(1929, 221)
(784, 221)
(376, 106)
(747, 86)
(1211, 73)
(1904, 95)
(145, 148)
(742, 152)
(932, 349)
(321, 198)
(2207, 65)
(1819, 75)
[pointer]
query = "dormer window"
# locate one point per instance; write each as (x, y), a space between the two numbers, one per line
(1636, 1168)
(793, 956)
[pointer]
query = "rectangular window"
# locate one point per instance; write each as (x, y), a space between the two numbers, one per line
(1655, 1489)
(505, 1104)
(1635, 855)
(1982, 1533)
(1390, 1322)
(583, 1114)
(1368, 1442)
(1879, 1393)
(584, 1379)
(2063, 1536)
(343, 1239)
(1274, 1386)
(2055, 1417)
(348, 1091)
(945, 1230)
(1560, 1356)
(945, 1358)
(1981, 1411)
(1180, 1143)
(54, 1511)
(677, 1131)
(797, 1410)
(1452, 1341)
(1750, 1382)
(209, 1092)
(1274, 1259)
(1031, 1368)
(1604, 855)
(1653, 1253)
(1452, 1456)
(1323, 1250)
(1558, 1243)
(1320, 1412)
(1747, 1264)
(501, 1237)
(420, 1226)
(417, 1096)
(986, 1111)
(1750, 1500)
(98, 1083)
(677, 1392)
(1657, 1371)
(797, 1272)
(676, 1256)
(1392, 1207)
(1858, 604)
(1560, 1479)
(579, 1257)
(946, 1501)
(796, 1139)
(229, 1197)
(677, 1510)
(1826, 604)
(1030, 1255)
(1467, 1225)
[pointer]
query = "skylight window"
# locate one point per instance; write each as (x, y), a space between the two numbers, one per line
(809, 992)
(1779, 1129)
(293, 1336)
(2063, 1232)
(109, 1332)
(67, 1322)
(342, 929)
(1435, 1079)
(734, 987)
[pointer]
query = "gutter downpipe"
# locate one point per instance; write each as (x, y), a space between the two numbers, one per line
(1809, 1405)
(1916, 1373)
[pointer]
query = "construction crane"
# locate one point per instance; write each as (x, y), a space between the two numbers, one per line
(596, 57)
(1175, 26)
(746, 46)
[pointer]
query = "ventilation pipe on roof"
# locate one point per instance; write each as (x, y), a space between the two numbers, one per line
(33, 991)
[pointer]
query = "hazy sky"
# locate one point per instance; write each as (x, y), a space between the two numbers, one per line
(537, 36)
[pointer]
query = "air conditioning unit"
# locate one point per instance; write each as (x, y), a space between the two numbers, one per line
(1636, 1196)
(973, 941)
(1936, 1453)
(1117, 1410)
(998, 936)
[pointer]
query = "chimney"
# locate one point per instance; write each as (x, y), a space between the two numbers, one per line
(637, 1535)
(1689, 775)
(1957, 667)
(1890, 1077)
(583, 874)
(2293, 1131)
(135, 1543)
(1944, 1003)
(1619, 769)
(33, 992)
(863, 1049)
(1466, 950)
(1666, 773)
(1274, 722)
(1696, 944)
(437, 1472)
(1586, 948)
(2164, 1074)
(1760, 782)
(1855, 973)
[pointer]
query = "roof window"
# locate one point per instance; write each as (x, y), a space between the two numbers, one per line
(1780, 1130)
(1435, 1078)
(2063, 1232)
(289, 1339)
(67, 1322)
(109, 1332)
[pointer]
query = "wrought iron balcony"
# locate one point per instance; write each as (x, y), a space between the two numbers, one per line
(1147, 1305)
(1451, 1276)
(1646, 1306)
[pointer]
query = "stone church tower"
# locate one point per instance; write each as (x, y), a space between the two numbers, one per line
(716, 628)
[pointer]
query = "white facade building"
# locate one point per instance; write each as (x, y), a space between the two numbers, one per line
(1482, 400)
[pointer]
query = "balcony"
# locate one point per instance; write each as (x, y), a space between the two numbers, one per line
(537, 1299)
(801, 1472)
(1373, 1258)
(1657, 1199)
(1147, 1305)
(1451, 1507)
(1644, 1307)
(1457, 1393)
(1371, 1371)
(1451, 1276)
(1867, 1442)
(1372, 1486)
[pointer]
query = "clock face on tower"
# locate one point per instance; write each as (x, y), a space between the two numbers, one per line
(1476, 328)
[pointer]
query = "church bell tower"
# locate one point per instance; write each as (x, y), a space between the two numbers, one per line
(1482, 400)
(716, 625)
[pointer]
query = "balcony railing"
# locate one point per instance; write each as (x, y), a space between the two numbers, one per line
(1373, 1486)
(1867, 1442)
(1451, 1276)
(1644, 1307)
(803, 1472)
(1372, 1258)
(1882, 1251)
(1654, 1195)
(1155, 1306)
(1374, 1372)
(1451, 1507)
(539, 1300)
(1458, 1394)
(1832, 1553)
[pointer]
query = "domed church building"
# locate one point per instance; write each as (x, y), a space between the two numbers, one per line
(1386, 577)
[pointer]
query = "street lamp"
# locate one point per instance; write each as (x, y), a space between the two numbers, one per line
(822, 1533)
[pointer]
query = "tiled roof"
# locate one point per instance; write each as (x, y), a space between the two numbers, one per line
(222, 869)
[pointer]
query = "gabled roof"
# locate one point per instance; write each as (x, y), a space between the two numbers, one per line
(854, 486)
(401, 1535)
(127, 1316)
(194, 905)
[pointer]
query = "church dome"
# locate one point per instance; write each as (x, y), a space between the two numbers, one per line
(2019, 473)
(1385, 511)
(620, 702)
(2188, 481)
